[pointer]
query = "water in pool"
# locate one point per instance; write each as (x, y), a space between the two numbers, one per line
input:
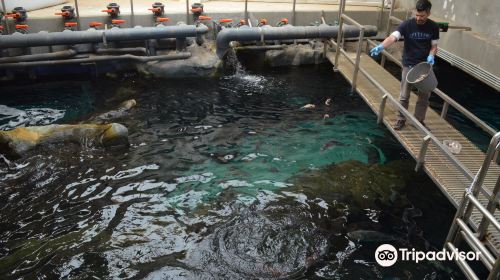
(225, 178)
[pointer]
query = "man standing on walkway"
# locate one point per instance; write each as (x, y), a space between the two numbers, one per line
(421, 36)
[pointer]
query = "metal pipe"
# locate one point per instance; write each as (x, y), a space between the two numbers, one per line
(38, 57)
(175, 56)
(100, 36)
(6, 24)
(463, 265)
(282, 33)
(479, 246)
(471, 239)
(121, 50)
(491, 207)
(293, 12)
(264, 47)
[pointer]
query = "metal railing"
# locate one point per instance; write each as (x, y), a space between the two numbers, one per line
(460, 229)
(464, 212)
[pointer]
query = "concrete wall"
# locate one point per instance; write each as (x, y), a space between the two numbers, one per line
(480, 15)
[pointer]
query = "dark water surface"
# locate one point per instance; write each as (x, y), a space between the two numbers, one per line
(224, 179)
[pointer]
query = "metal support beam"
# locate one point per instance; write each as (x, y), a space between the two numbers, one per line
(293, 12)
(339, 35)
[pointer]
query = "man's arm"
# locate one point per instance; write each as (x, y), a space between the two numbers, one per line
(394, 37)
(434, 49)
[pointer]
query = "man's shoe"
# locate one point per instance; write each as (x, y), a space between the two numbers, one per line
(399, 124)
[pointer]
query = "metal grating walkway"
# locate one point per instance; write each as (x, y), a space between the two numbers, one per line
(449, 179)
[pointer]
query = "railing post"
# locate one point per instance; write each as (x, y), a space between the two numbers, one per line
(358, 58)
(388, 30)
(187, 12)
(444, 111)
(380, 117)
(492, 206)
(246, 10)
(293, 11)
(454, 225)
(132, 20)
(5, 18)
(495, 271)
(78, 27)
(339, 36)
(380, 15)
(423, 152)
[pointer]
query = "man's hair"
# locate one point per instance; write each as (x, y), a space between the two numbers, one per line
(423, 5)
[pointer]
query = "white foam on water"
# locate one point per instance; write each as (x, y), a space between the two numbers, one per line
(131, 172)
(29, 117)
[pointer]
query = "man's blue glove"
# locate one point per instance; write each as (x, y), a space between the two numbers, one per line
(430, 59)
(377, 50)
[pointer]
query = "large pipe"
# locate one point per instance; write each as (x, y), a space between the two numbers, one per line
(36, 57)
(286, 32)
(18, 40)
(175, 56)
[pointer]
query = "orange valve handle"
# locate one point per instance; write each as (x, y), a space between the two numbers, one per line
(204, 18)
(64, 14)
(14, 15)
(155, 10)
(162, 19)
(95, 24)
(21, 26)
(70, 24)
(112, 11)
(118, 21)
(285, 20)
(196, 10)
(243, 21)
(225, 20)
(263, 21)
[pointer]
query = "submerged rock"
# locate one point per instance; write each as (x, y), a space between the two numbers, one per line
(16, 142)
(361, 183)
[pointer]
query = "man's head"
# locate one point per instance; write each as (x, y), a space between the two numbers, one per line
(423, 11)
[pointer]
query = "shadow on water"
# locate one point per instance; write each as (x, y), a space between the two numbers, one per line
(224, 179)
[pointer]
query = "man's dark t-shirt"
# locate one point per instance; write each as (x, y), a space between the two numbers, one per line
(417, 40)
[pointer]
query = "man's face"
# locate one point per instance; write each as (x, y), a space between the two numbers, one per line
(422, 16)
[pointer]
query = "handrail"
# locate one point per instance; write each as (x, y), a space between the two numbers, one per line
(352, 21)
